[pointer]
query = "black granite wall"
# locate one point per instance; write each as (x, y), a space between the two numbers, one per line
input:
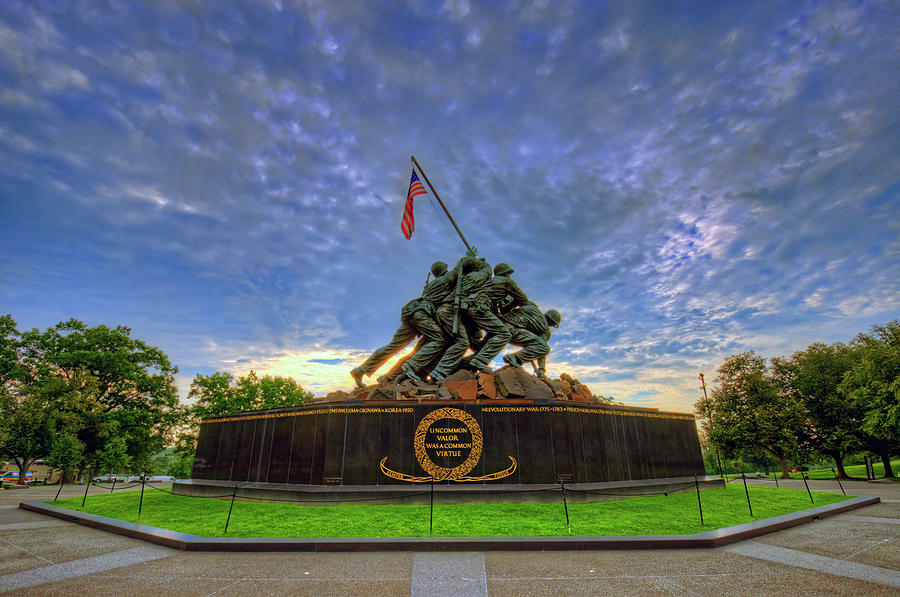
(317, 445)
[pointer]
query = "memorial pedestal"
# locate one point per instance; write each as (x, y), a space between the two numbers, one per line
(497, 448)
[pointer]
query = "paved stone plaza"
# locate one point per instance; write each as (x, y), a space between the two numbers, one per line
(849, 554)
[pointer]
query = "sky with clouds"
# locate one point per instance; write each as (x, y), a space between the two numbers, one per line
(682, 181)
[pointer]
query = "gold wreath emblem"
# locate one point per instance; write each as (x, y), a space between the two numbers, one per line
(440, 473)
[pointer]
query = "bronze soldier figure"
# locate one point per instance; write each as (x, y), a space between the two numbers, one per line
(530, 330)
(416, 319)
(475, 272)
(483, 311)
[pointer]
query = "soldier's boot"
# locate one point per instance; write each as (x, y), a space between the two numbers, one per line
(408, 372)
(512, 360)
(357, 375)
(478, 367)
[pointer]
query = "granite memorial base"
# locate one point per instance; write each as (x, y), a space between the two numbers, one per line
(478, 450)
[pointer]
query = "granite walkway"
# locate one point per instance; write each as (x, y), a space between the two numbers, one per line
(849, 554)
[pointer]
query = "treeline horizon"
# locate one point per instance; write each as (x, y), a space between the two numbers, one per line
(94, 399)
(826, 401)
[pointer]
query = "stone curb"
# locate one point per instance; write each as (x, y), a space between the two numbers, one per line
(706, 539)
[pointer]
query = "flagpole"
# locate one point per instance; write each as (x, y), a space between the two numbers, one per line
(438, 197)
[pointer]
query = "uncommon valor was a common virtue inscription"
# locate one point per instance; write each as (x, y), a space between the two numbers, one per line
(479, 442)
(453, 437)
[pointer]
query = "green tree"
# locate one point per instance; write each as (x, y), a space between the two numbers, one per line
(873, 384)
(28, 428)
(36, 410)
(9, 373)
(114, 455)
(135, 393)
(65, 454)
(173, 461)
(748, 415)
(222, 394)
(9, 352)
(219, 393)
(35, 404)
(813, 376)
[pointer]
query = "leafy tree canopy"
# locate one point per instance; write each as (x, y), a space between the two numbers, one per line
(874, 381)
(221, 394)
(65, 454)
(94, 382)
(873, 385)
(813, 376)
(747, 413)
(130, 374)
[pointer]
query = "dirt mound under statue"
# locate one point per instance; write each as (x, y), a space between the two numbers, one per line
(504, 383)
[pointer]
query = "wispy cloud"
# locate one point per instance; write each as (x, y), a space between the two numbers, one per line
(227, 178)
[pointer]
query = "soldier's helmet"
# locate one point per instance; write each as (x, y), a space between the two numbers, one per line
(438, 268)
(503, 269)
(553, 317)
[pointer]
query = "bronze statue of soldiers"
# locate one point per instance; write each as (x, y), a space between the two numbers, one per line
(530, 330)
(474, 273)
(483, 308)
(416, 319)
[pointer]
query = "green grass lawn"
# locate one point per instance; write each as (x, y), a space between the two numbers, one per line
(855, 471)
(674, 514)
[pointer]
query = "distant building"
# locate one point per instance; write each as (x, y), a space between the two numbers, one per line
(41, 473)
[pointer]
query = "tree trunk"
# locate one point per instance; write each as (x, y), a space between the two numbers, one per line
(24, 464)
(886, 460)
(839, 463)
(785, 471)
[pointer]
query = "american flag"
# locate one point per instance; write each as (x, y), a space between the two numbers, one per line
(408, 226)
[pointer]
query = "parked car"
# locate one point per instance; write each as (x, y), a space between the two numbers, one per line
(161, 479)
(13, 477)
(108, 478)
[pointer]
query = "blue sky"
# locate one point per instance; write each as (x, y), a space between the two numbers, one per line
(682, 181)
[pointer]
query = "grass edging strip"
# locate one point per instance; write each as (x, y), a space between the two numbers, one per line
(706, 539)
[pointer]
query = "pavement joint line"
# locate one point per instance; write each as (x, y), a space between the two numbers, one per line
(810, 561)
(484, 574)
(868, 519)
(228, 586)
(881, 542)
(254, 578)
(20, 548)
(38, 524)
(84, 566)
(628, 576)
